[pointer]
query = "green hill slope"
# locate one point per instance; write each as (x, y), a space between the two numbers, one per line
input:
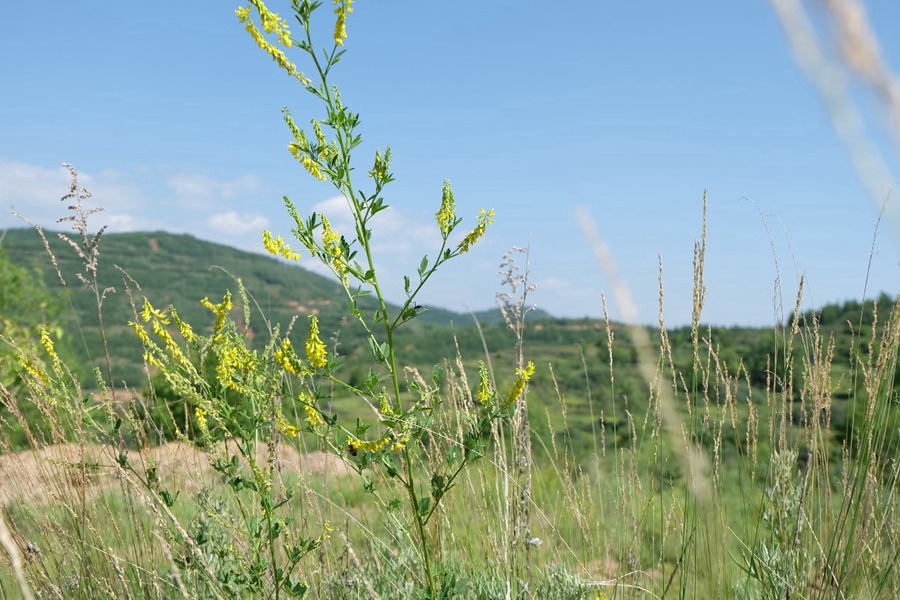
(181, 270)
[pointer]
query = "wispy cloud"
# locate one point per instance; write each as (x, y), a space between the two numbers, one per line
(199, 187)
(234, 223)
(34, 191)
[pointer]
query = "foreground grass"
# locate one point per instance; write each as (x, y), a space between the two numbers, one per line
(779, 510)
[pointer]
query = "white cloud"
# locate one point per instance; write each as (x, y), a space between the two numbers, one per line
(201, 187)
(34, 191)
(237, 224)
(122, 223)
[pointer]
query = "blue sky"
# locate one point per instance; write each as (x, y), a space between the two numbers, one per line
(628, 110)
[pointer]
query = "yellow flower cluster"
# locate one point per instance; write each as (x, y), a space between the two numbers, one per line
(485, 218)
(33, 370)
(234, 359)
(158, 319)
(484, 394)
(277, 246)
(358, 445)
(287, 358)
(47, 343)
(220, 310)
(313, 418)
(332, 242)
(201, 419)
(309, 164)
(185, 329)
(340, 27)
(447, 213)
(271, 23)
(523, 376)
(315, 348)
(381, 166)
(287, 429)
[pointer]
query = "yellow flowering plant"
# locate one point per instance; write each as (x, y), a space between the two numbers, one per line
(398, 439)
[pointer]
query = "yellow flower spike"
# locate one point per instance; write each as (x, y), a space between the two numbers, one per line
(332, 242)
(484, 394)
(485, 218)
(35, 372)
(320, 136)
(185, 329)
(287, 358)
(381, 166)
(313, 418)
(272, 24)
(385, 408)
(523, 376)
(149, 312)
(201, 419)
(220, 310)
(151, 360)
(286, 428)
(277, 246)
(367, 446)
(447, 213)
(326, 532)
(315, 348)
(312, 166)
(340, 26)
(47, 343)
(141, 332)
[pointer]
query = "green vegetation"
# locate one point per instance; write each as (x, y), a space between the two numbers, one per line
(202, 442)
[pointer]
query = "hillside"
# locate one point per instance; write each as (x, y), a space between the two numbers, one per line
(181, 270)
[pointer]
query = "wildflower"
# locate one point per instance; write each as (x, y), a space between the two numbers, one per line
(367, 446)
(149, 312)
(311, 166)
(286, 428)
(151, 360)
(47, 343)
(287, 358)
(220, 310)
(313, 418)
(484, 393)
(271, 23)
(140, 332)
(447, 213)
(379, 170)
(340, 27)
(332, 242)
(35, 372)
(234, 359)
(201, 418)
(185, 329)
(326, 532)
(315, 348)
(484, 219)
(277, 246)
(385, 404)
(320, 136)
(523, 376)
(401, 441)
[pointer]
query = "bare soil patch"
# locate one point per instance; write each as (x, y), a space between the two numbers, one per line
(64, 471)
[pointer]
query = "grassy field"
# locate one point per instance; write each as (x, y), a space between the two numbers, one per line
(695, 483)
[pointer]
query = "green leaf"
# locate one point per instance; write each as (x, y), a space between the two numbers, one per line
(424, 505)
